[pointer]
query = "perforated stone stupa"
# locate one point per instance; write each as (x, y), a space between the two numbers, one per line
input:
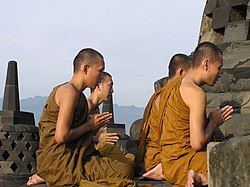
(18, 135)
(226, 23)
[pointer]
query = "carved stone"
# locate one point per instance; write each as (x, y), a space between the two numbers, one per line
(18, 135)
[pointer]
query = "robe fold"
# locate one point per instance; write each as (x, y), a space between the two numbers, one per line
(177, 155)
(149, 150)
(69, 163)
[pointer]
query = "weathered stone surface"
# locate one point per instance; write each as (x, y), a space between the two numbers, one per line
(248, 11)
(108, 107)
(210, 6)
(232, 80)
(160, 83)
(135, 130)
(237, 2)
(221, 16)
(13, 180)
(237, 31)
(207, 32)
(237, 55)
(11, 92)
(16, 117)
(129, 146)
(240, 101)
(17, 128)
(237, 126)
(229, 163)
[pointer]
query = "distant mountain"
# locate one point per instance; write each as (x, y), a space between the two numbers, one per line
(122, 114)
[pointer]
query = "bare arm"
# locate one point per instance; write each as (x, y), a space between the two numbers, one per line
(200, 133)
(67, 98)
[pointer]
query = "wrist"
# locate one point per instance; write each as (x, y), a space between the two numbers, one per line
(88, 128)
(95, 139)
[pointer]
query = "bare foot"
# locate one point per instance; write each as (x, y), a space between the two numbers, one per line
(155, 173)
(35, 179)
(196, 179)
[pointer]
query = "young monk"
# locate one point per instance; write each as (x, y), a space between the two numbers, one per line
(66, 154)
(183, 125)
(105, 141)
(149, 149)
(101, 93)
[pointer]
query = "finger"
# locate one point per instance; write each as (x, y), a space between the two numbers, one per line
(106, 116)
(104, 122)
(112, 139)
(228, 111)
(110, 143)
(227, 118)
(105, 130)
(225, 108)
(111, 134)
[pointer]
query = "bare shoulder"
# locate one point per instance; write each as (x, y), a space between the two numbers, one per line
(191, 93)
(66, 92)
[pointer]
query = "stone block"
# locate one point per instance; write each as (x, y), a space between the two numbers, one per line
(240, 101)
(32, 145)
(237, 31)
(248, 11)
(210, 6)
(231, 80)
(130, 146)
(237, 126)
(16, 117)
(7, 128)
(221, 17)
(21, 167)
(225, 14)
(21, 145)
(8, 145)
(207, 32)
(6, 167)
(119, 128)
(135, 130)
(237, 2)
(160, 83)
(236, 55)
(229, 163)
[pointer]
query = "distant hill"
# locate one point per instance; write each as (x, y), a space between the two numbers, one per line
(123, 114)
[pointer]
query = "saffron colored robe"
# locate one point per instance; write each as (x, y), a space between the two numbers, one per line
(77, 161)
(177, 155)
(149, 149)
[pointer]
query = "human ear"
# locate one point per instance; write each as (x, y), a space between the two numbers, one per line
(85, 68)
(181, 72)
(207, 64)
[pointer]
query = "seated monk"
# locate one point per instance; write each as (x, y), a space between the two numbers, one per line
(182, 119)
(66, 154)
(104, 142)
(149, 149)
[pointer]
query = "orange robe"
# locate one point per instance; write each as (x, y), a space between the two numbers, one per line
(149, 145)
(76, 161)
(177, 155)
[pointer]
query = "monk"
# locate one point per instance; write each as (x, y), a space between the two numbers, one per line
(66, 154)
(101, 93)
(105, 141)
(149, 149)
(184, 129)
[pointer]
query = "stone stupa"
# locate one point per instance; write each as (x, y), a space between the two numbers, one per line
(18, 135)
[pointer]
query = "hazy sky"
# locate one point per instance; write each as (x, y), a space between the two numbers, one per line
(136, 37)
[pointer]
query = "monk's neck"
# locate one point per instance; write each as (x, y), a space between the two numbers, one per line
(94, 101)
(78, 84)
(195, 76)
